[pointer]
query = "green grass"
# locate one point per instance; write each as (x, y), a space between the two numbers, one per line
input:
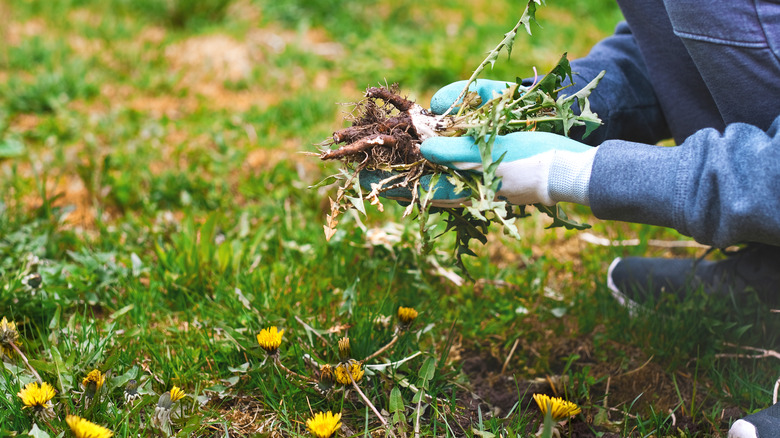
(171, 216)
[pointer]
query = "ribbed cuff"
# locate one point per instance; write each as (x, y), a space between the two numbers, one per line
(569, 177)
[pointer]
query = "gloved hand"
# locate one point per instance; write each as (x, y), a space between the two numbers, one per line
(537, 167)
(445, 195)
(443, 98)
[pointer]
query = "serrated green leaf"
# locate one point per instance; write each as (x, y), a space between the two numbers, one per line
(529, 15)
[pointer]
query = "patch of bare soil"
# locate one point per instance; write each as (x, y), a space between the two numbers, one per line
(217, 57)
(624, 380)
(247, 416)
(16, 32)
(68, 192)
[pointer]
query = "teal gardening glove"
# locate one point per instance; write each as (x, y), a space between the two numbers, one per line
(537, 167)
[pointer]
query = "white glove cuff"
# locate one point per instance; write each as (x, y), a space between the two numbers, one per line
(569, 177)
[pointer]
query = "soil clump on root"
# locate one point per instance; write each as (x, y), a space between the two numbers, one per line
(382, 132)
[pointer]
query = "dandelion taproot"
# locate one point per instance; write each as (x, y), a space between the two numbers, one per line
(406, 315)
(270, 339)
(9, 337)
(324, 424)
(559, 408)
(38, 398)
(85, 429)
(346, 369)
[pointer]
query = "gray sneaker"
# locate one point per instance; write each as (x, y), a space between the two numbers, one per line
(755, 268)
(762, 424)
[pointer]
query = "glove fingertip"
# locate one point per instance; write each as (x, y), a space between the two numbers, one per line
(440, 103)
(445, 97)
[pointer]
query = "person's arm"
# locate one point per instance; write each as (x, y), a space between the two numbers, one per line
(624, 99)
(719, 188)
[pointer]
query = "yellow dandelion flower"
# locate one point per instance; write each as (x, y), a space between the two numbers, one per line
(560, 409)
(93, 382)
(356, 369)
(344, 370)
(85, 429)
(270, 339)
(345, 349)
(324, 424)
(406, 315)
(37, 396)
(177, 394)
(8, 335)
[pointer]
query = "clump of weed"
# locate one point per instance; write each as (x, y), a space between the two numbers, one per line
(387, 130)
(383, 132)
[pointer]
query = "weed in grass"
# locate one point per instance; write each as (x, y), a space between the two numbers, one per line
(48, 91)
(180, 13)
(555, 410)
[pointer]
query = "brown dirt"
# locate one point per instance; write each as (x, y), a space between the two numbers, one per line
(247, 416)
(206, 58)
(70, 192)
(382, 132)
(633, 380)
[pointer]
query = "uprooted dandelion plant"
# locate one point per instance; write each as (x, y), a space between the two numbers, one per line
(387, 130)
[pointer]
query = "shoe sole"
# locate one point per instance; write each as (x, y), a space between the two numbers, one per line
(631, 305)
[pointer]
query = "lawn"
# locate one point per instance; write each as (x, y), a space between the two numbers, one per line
(160, 209)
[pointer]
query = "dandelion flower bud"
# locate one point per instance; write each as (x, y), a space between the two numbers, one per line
(406, 315)
(345, 350)
(326, 374)
(165, 402)
(8, 336)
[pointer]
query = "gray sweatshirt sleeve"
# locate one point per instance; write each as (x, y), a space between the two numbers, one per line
(721, 188)
(624, 99)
